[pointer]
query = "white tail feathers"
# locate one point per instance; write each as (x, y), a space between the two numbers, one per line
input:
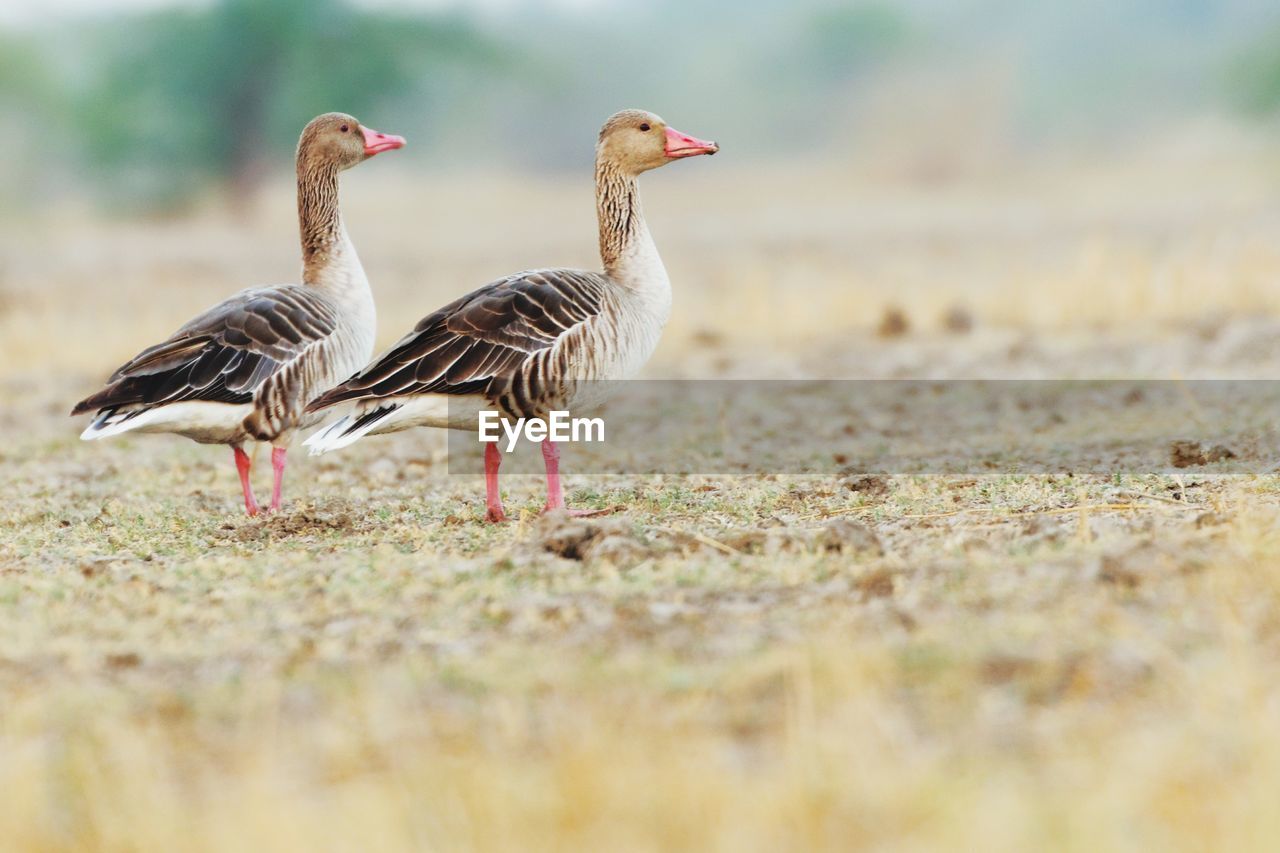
(110, 422)
(200, 420)
(376, 417)
(348, 429)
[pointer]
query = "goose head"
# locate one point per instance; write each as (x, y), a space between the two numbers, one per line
(338, 139)
(637, 141)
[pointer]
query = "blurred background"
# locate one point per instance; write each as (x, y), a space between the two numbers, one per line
(891, 169)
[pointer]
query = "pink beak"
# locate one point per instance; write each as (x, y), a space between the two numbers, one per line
(683, 145)
(376, 141)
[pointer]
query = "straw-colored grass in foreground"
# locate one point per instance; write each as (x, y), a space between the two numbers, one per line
(1005, 662)
(1039, 705)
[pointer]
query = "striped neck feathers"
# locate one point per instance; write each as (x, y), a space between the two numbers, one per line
(319, 220)
(626, 249)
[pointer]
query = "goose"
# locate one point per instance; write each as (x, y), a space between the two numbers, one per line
(530, 343)
(245, 369)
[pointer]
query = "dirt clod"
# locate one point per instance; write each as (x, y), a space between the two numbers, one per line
(1185, 454)
(1211, 519)
(866, 484)
(837, 535)
(305, 521)
(894, 323)
(1001, 668)
(1115, 572)
(750, 541)
(957, 320)
(618, 548)
(846, 535)
(709, 338)
(607, 538)
(125, 660)
(876, 584)
(569, 537)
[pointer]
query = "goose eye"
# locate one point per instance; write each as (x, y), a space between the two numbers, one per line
(344, 128)
(644, 126)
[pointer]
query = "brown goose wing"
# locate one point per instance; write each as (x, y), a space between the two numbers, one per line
(486, 334)
(225, 354)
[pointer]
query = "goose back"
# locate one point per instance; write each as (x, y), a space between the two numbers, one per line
(269, 348)
(526, 343)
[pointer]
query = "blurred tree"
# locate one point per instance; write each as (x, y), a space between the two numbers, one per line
(816, 71)
(24, 78)
(183, 97)
(1256, 77)
(847, 40)
(35, 113)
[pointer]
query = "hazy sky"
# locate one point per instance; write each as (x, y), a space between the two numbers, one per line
(27, 12)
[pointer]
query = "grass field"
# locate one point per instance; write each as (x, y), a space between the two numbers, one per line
(997, 662)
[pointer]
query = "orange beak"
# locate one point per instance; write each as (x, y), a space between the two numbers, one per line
(376, 141)
(683, 145)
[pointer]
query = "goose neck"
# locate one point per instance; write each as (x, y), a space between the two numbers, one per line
(626, 247)
(319, 219)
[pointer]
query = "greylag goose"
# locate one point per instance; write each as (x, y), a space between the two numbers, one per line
(525, 344)
(245, 369)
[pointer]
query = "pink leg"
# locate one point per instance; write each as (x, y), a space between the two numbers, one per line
(277, 468)
(492, 498)
(555, 492)
(242, 465)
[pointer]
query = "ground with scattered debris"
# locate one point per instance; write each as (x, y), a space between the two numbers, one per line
(996, 661)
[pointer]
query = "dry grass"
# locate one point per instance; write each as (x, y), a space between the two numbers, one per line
(997, 663)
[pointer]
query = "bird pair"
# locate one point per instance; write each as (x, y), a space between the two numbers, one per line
(267, 362)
